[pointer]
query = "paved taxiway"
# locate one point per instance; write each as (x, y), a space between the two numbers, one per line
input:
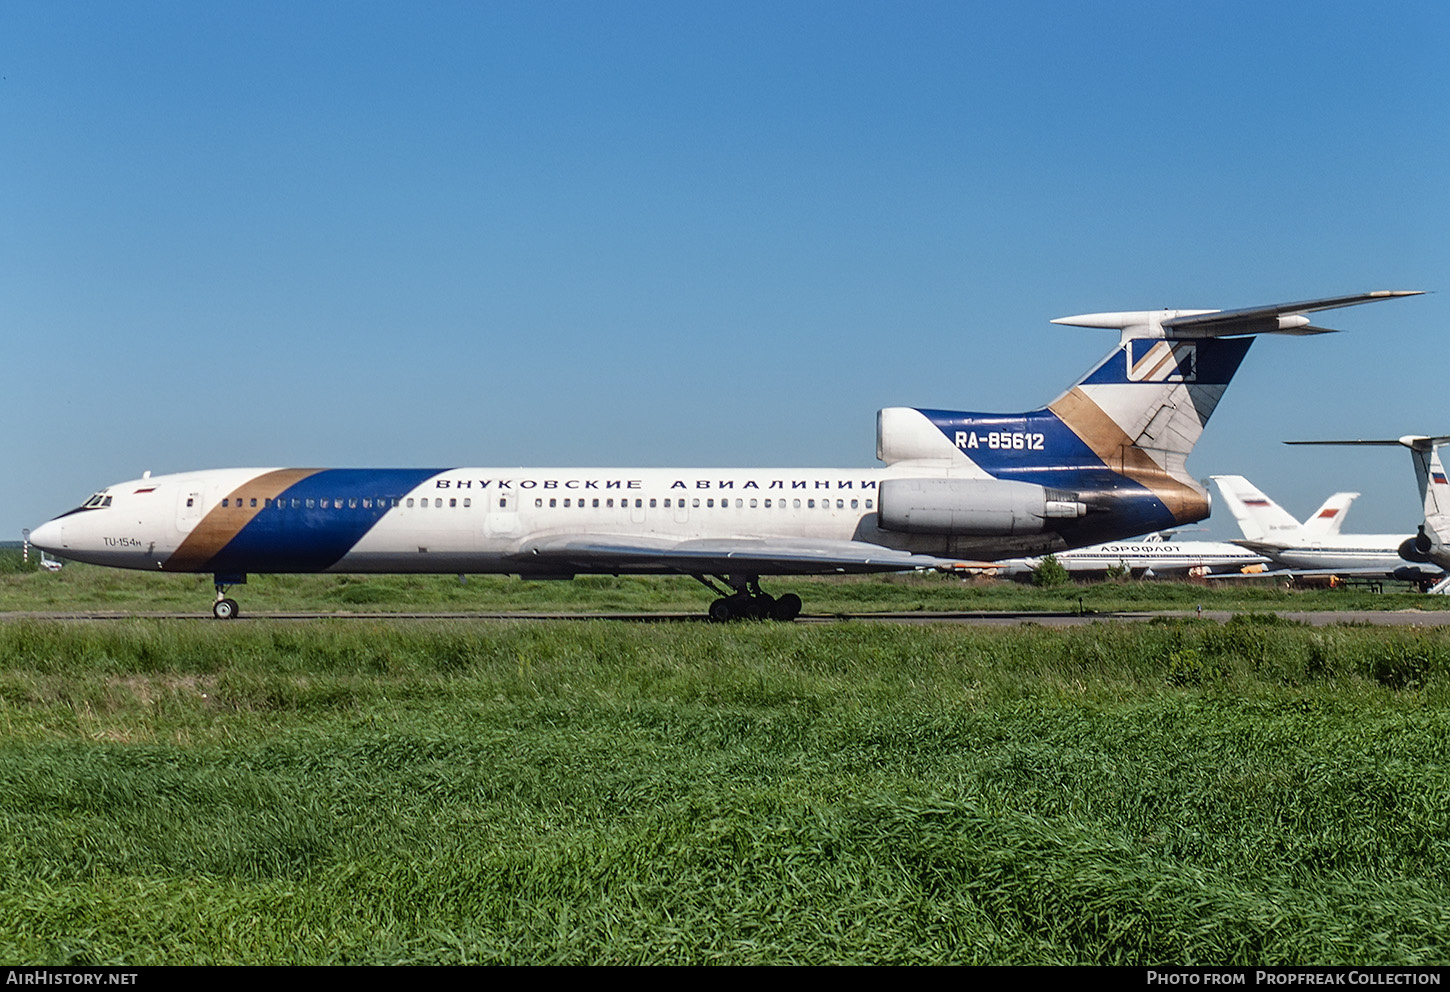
(1315, 618)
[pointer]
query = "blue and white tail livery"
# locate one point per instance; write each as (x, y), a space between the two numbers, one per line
(1105, 460)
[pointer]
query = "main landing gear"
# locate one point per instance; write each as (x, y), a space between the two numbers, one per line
(225, 608)
(747, 601)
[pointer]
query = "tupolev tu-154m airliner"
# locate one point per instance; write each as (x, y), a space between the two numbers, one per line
(1104, 461)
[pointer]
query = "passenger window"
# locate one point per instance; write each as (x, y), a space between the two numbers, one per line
(868, 504)
(467, 502)
(225, 503)
(453, 502)
(503, 502)
(796, 503)
(709, 502)
(853, 504)
(596, 501)
(752, 504)
(538, 501)
(739, 503)
(410, 501)
(639, 504)
(352, 503)
(609, 503)
(651, 504)
(553, 501)
(840, 504)
(810, 504)
(311, 504)
(695, 501)
(438, 503)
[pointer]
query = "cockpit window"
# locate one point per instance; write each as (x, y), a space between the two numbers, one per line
(96, 502)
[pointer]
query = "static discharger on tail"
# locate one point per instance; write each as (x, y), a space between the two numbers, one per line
(1104, 461)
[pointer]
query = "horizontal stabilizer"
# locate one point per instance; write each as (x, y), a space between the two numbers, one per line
(1275, 318)
(1415, 442)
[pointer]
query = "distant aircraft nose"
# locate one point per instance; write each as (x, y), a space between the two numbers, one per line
(49, 536)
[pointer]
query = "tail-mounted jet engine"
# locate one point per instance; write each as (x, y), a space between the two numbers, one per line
(972, 507)
(1417, 548)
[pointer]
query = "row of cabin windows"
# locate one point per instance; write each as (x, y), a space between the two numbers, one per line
(710, 502)
(351, 503)
(386, 502)
(366, 502)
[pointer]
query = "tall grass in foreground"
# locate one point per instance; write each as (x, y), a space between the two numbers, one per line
(1251, 792)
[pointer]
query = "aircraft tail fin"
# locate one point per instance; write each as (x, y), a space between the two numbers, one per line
(1122, 433)
(1259, 518)
(1434, 486)
(1326, 521)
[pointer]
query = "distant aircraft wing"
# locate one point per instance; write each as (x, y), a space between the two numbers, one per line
(1266, 548)
(718, 556)
(1306, 573)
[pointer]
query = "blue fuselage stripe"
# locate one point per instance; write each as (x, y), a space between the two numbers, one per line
(281, 538)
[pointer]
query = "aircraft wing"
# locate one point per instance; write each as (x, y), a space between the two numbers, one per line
(782, 556)
(1306, 573)
(1266, 548)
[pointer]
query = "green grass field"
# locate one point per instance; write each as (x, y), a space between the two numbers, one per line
(384, 791)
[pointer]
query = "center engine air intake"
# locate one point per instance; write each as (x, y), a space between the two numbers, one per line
(972, 506)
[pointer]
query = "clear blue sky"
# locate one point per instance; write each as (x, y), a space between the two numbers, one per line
(619, 233)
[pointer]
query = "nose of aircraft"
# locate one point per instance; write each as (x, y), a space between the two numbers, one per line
(48, 536)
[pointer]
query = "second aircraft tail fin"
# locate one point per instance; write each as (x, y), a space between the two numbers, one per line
(1329, 518)
(1259, 518)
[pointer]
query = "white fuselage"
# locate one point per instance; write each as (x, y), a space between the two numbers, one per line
(1364, 553)
(473, 519)
(1155, 556)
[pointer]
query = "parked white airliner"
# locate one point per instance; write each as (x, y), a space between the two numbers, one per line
(1155, 556)
(1104, 461)
(1314, 548)
(1430, 545)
